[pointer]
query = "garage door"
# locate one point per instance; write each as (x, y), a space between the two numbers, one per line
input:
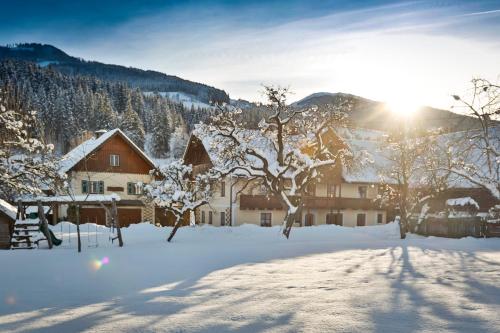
(93, 215)
(128, 216)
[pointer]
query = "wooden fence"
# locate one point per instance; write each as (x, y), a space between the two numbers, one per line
(455, 227)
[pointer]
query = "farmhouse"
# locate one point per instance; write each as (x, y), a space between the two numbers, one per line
(105, 167)
(342, 196)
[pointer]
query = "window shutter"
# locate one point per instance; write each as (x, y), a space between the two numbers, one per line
(85, 188)
(101, 187)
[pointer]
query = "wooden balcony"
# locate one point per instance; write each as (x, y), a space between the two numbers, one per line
(270, 202)
(340, 203)
(260, 202)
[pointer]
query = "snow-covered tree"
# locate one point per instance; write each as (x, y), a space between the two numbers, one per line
(104, 116)
(26, 164)
(132, 125)
(161, 133)
(178, 141)
(178, 192)
(474, 155)
(286, 153)
(411, 175)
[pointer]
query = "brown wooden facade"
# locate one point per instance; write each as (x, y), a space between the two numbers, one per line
(131, 160)
(6, 229)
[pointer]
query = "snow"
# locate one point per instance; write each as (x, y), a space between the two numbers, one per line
(466, 201)
(84, 149)
(186, 100)
(73, 198)
(46, 63)
(361, 142)
(251, 279)
(8, 209)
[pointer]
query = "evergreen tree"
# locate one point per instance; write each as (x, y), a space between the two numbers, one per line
(132, 125)
(104, 116)
(160, 136)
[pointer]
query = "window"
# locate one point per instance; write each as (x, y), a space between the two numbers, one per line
(334, 218)
(114, 160)
(362, 191)
(222, 218)
(134, 188)
(331, 189)
(203, 216)
(265, 219)
(380, 218)
(92, 187)
(309, 219)
(222, 189)
(361, 220)
(210, 217)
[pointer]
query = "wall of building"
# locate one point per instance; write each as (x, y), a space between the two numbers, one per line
(110, 180)
(220, 204)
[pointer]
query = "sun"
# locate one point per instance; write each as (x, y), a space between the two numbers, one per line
(402, 106)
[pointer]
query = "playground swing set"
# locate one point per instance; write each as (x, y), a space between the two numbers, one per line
(25, 230)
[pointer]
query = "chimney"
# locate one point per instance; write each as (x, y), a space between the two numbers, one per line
(78, 139)
(98, 133)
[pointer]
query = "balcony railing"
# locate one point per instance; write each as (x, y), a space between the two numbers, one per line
(271, 202)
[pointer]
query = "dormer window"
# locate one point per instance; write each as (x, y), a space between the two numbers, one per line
(114, 160)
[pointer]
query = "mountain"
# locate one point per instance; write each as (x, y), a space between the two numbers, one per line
(146, 80)
(371, 114)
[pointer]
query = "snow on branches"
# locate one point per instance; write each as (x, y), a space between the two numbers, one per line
(178, 191)
(475, 155)
(25, 162)
(287, 151)
(411, 175)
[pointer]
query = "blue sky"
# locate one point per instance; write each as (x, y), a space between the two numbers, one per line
(420, 51)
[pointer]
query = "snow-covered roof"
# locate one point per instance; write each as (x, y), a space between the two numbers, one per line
(466, 201)
(8, 209)
(84, 149)
(74, 198)
(359, 142)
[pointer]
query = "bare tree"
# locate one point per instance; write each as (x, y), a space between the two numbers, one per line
(287, 151)
(178, 191)
(474, 155)
(410, 175)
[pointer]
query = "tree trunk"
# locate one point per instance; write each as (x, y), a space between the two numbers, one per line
(290, 220)
(402, 227)
(44, 226)
(117, 223)
(178, 222)
(78, 228)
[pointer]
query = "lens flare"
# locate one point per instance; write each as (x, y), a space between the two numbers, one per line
(97, 264)
(10, 300)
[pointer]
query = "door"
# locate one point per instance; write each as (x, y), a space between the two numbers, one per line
(361, 220)
(128, 216)
(309, 220)
(93, 215)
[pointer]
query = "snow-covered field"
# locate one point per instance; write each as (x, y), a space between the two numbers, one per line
(251, 279)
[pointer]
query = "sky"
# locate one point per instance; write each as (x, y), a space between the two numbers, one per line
(405, 53)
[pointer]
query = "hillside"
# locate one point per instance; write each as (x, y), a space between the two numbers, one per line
(376, 115)
(146, 80)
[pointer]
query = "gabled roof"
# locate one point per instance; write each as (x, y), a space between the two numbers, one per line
(8, 209)
(358, 141)
(86, 148)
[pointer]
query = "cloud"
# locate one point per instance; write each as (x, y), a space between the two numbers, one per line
(430, 50)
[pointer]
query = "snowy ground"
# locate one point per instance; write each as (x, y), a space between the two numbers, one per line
(250, 279)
